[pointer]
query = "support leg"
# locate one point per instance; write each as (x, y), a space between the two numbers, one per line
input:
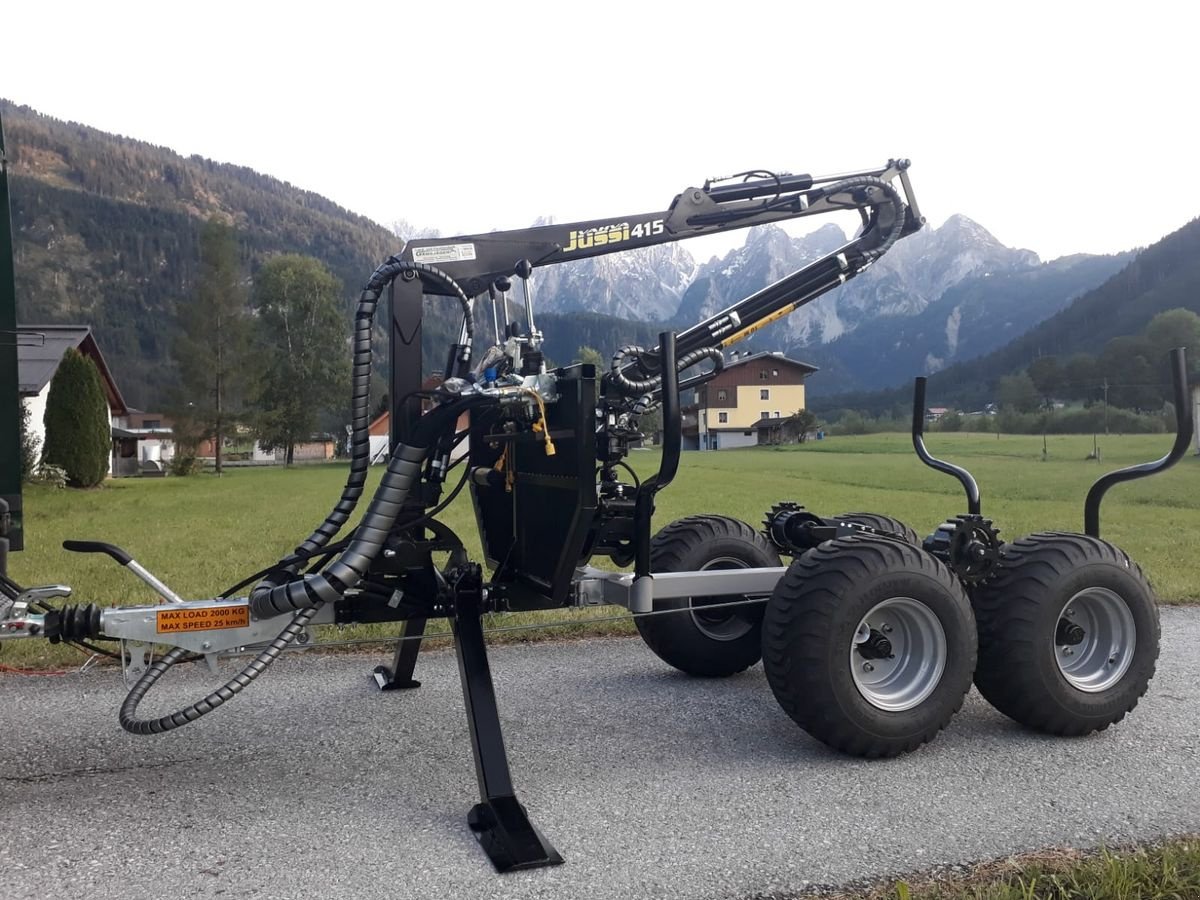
(400, 676)
(500, 822)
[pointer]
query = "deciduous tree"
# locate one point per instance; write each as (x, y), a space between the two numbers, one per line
(1017, 393)
(303, 359)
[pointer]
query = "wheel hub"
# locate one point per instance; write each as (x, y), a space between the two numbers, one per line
(1094, 640)
(898, 654)
(722, 623)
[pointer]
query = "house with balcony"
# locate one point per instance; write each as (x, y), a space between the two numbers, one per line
(752, 389)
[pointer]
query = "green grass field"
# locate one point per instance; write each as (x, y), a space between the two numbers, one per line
(202, 534)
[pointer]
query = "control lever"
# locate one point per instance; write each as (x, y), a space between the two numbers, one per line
(124, 559)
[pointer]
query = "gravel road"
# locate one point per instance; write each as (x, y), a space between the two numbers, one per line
(314, 785)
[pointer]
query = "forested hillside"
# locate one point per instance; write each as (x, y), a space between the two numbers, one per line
(1164, 276)
(107, 233)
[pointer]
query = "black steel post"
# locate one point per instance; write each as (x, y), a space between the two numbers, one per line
(643, 510)
(918, 431)
(499, 821)
(10, 400)
(1183, 438)
(400, 676)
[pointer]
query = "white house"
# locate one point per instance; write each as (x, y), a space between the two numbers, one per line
(40, 349)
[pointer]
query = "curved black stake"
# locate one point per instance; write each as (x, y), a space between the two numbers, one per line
(1183, 437)
(672, 444)
(918, 431)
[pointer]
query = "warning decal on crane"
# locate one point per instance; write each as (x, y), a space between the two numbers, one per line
(203, 619)
(444, 253)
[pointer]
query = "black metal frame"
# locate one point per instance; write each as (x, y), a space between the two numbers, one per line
(617, 524)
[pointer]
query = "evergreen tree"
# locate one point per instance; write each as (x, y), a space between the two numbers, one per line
(78, 434)
(211, 348)
(301, 344)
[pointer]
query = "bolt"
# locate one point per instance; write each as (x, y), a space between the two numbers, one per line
(887, 629)
(867, 667)
(1068, 651)
(1069, 613)
(207, 645)
(389, 553)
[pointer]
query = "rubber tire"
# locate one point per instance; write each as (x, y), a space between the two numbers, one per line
(1017, 612)
(687, 545)
(881, 523)
(810, 622)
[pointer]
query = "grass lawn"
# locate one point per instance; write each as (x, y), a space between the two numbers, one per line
(1165, 871)
(202, 534)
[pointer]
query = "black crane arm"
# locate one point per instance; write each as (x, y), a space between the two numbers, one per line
(476, 261)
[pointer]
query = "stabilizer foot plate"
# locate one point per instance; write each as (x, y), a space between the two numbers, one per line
(508, 837)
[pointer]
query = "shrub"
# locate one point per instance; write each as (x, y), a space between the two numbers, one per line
(184, 463)
(950, 422)
(78, 435)
(30, 446)
(50, 474)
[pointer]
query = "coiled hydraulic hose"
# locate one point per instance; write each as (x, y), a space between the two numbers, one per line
(349, 568)
(226, 692)
(404, 469)
(309, 593)
(634, 387)
(893, 199)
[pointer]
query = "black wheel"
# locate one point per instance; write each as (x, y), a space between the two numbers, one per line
(881, 523)
(696, 640)
(869, 645)
(1068, 633)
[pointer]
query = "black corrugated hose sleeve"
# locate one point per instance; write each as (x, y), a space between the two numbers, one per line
(226, 692)
(360, 441)
(309, 593)
(893, 197)
(404, 469)
(635, 387)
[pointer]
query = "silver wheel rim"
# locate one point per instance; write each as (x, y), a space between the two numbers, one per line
(725, 624)
(914, 668)
(1105, 653)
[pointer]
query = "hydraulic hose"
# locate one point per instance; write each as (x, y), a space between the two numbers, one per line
(270, 598)
(636, 387)
(202, 707)
(360, 441)
(893, 198)
(310, 592)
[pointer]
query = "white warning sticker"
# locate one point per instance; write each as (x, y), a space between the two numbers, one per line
(444, 253)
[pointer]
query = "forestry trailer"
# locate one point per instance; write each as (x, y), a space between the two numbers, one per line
(870, 636)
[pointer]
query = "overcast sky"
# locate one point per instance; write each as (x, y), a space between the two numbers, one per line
(1061, 127)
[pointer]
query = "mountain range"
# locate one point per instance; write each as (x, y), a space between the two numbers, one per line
(107, 231)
